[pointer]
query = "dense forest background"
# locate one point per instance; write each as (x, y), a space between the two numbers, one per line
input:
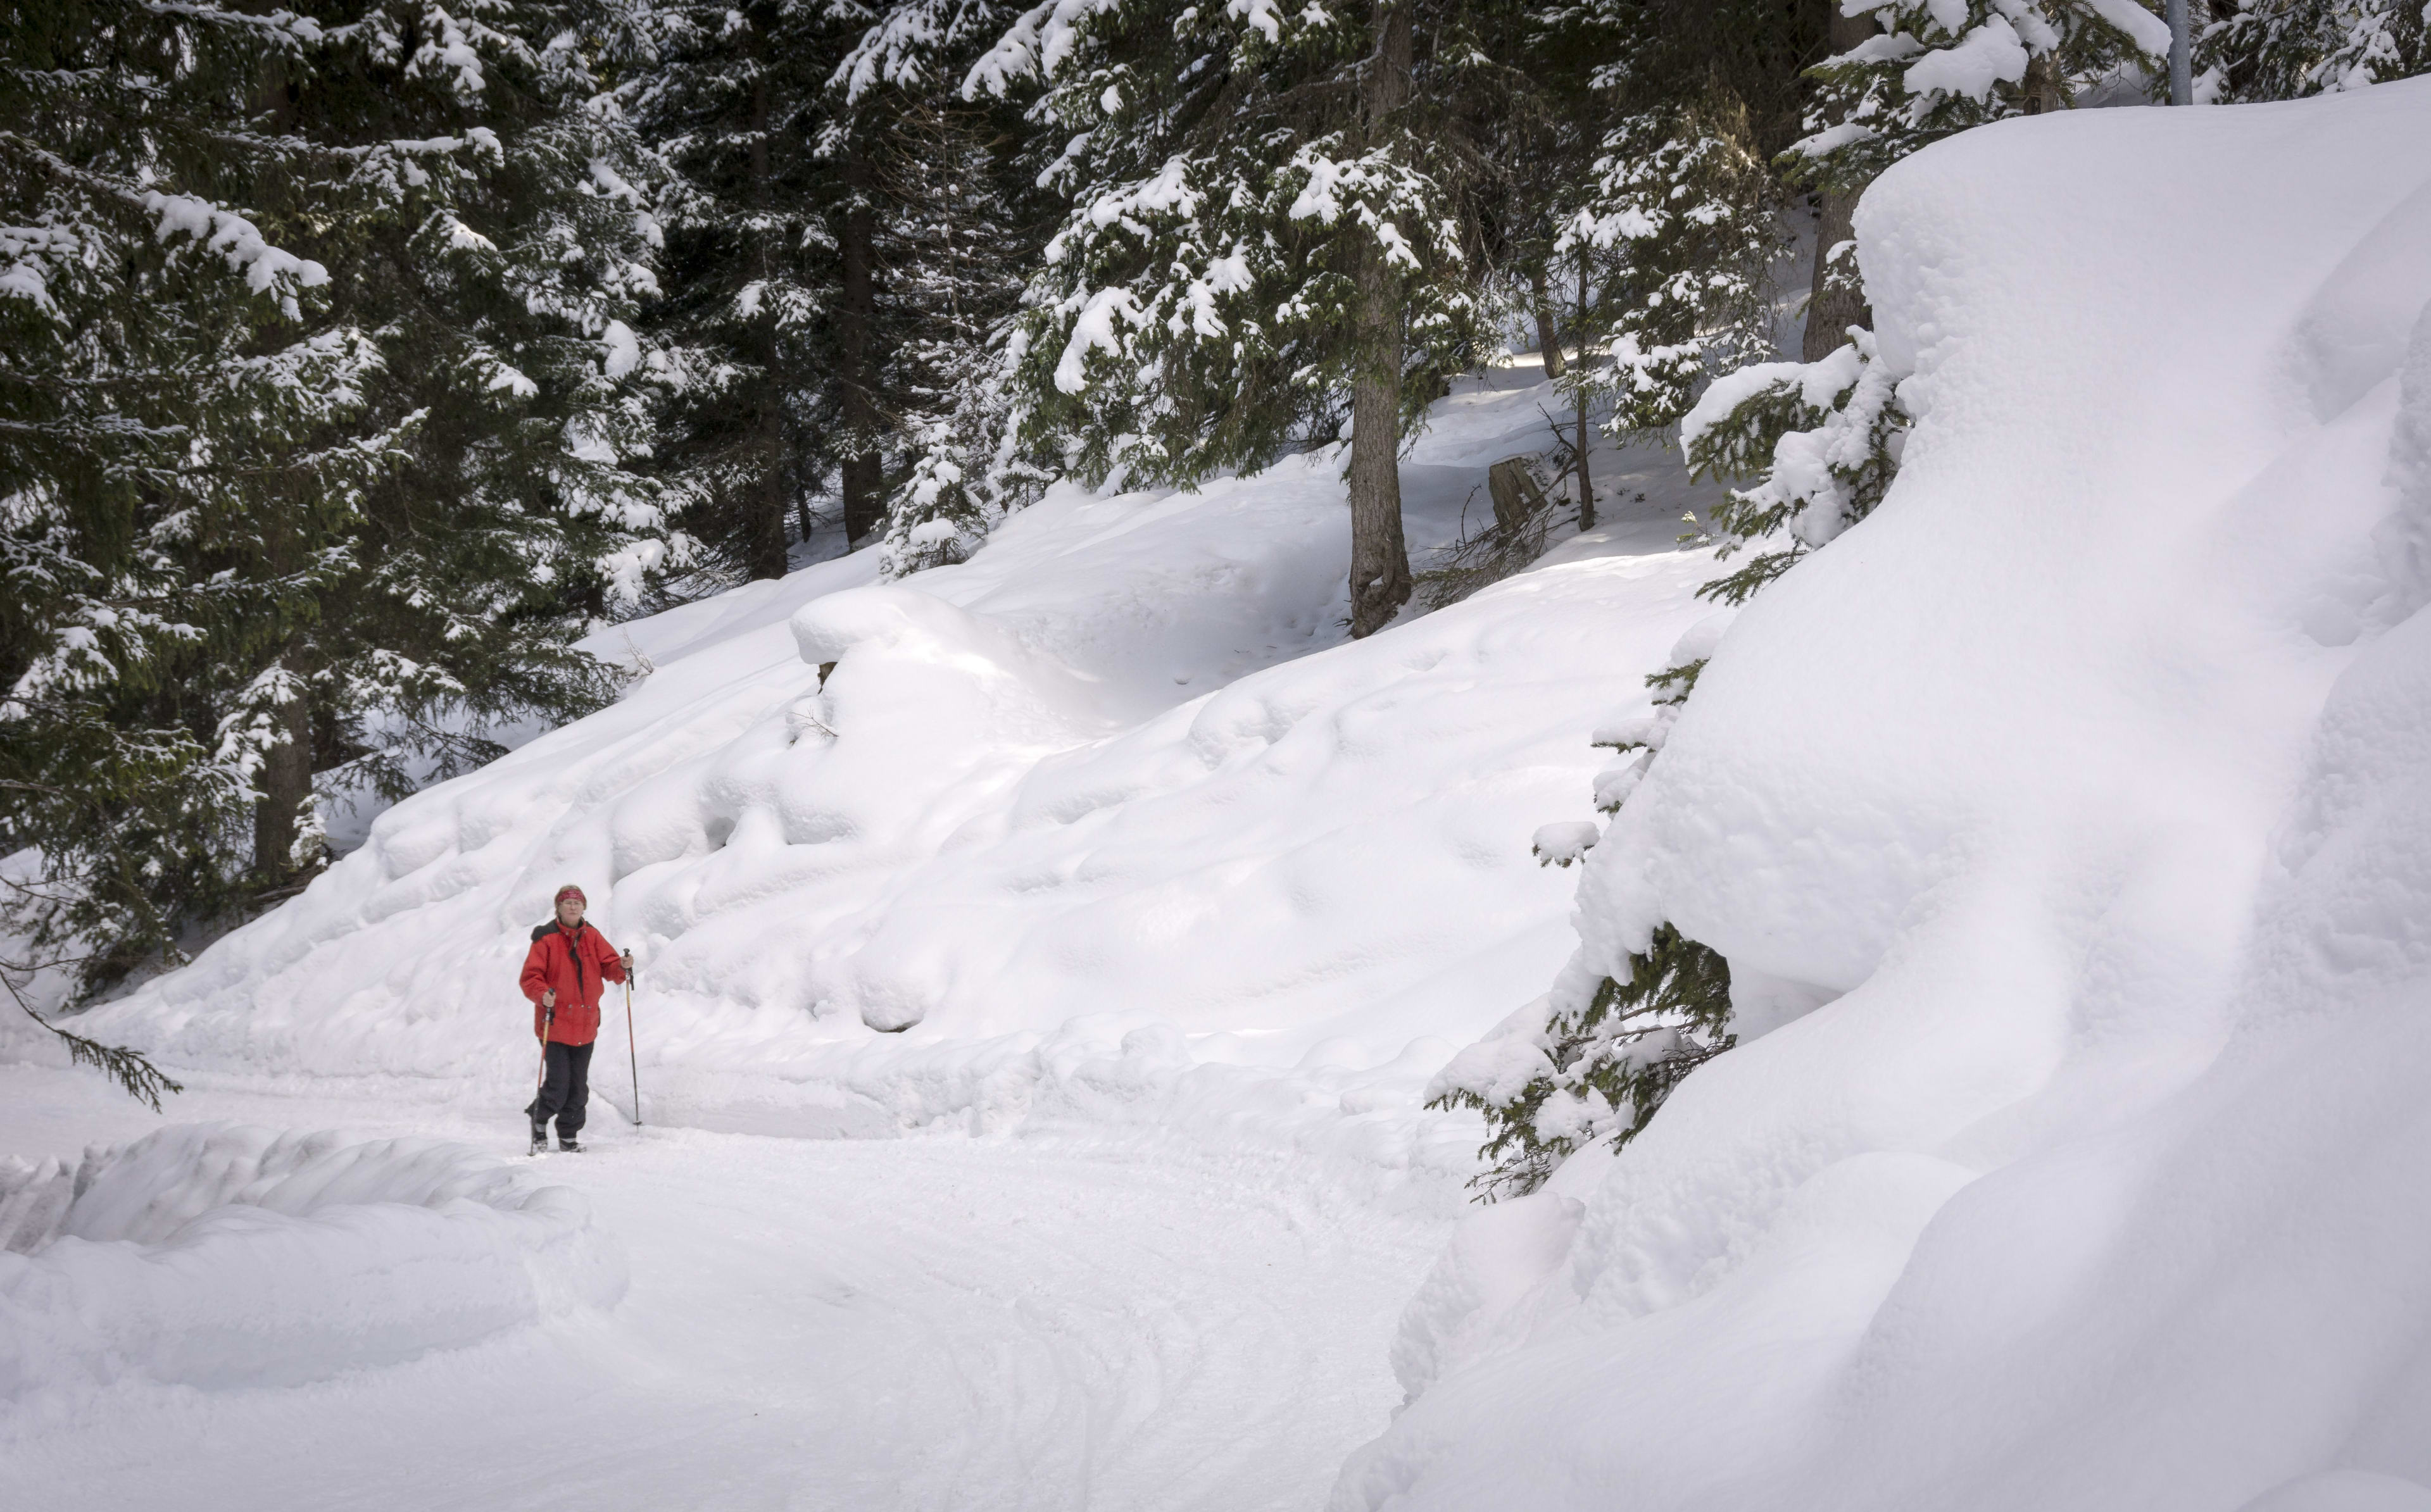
(356, 360)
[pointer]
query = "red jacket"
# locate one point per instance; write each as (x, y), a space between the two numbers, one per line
(577, 965)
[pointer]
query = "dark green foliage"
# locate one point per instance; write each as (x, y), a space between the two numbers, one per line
(1608, 1064)
(497, 247)
(135, 1074)
(162, 382)
(315, 420)
(957, 222)
(2287, 49)
(1864, 116)
(1194, 312)
(1658, 222)
(737, 103)
(1823, 441)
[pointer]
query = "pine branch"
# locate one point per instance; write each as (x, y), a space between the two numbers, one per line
(135, 1074)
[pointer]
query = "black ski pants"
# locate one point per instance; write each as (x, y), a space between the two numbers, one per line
(564, 1090)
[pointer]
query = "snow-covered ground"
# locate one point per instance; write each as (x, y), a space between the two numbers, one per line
(2066, 816)
(685, 1320)
(1101, 874)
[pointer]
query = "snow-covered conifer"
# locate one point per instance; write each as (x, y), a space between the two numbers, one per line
(951, 241)
(1266, 239)
(1561, 1075)
(2287, 49)
(178, 433)
(1643, 221)
(324, 390)
(734, 100)
(951, 248)
(497, 246)
(1936, 67)
(1677, 233)
(1821, 442)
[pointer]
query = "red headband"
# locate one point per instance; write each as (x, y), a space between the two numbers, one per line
(570, 890)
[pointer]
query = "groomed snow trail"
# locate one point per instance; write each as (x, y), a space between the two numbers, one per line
(1086, 1320)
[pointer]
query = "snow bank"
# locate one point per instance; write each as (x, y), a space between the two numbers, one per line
(2085, 785)
(216, 1256)
(1109, 818)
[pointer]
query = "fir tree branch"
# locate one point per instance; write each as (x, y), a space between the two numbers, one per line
(134, 1074)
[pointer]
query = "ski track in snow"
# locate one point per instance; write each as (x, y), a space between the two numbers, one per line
(1083, 1320)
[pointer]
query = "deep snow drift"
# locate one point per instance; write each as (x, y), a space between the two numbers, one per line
(2086, 786)
(817, 1325)
(217, 1257)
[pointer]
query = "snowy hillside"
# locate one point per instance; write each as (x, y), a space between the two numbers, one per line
(1112, 801)
(1108, 837)
(2083, 786)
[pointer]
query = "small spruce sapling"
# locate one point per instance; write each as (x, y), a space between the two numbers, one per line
(1595, 1069)
(1822, 441)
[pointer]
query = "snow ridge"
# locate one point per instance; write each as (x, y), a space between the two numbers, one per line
(2071, 803)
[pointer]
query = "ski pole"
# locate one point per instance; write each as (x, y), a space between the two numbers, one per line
(548, 1021)
(633, 1057)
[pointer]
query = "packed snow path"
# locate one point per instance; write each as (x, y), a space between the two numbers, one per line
(1088, 1320)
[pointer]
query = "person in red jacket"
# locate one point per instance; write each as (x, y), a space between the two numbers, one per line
(568, 964)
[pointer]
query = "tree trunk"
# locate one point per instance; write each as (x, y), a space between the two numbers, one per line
(1579, 397)
(286, 784)
(862, 475)
(1549, 340)
(764, 500)
(2040, 88)
(1380, 558)
(766, 545)
(1835, 300)
(1586, 479)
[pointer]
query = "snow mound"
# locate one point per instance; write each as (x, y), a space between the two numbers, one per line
(2081, 797)
(1106, 817)
(218, 1255)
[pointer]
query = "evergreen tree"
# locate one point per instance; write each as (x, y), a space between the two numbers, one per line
(1684, 220)
(1936, 67)
(1645, 224)
(952, 244)
(950, 248)
(1271, 224)
(178, 429)
(1676, 237)
(1821, 441)
(495, 245)
(1818, 441)
(735, 101)
(2287, 49)
(1594, 1070)
(319, 395)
